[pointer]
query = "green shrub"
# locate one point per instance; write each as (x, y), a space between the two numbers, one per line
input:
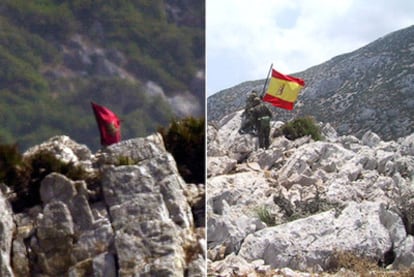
(300, 127)
(14, 172)
(185, 140)
(24, 175)
(265, 216)
(43, 163)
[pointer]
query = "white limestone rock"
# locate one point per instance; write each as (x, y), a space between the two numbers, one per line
(6, 236)
(307, 242)
(220, 165)
(64, 149)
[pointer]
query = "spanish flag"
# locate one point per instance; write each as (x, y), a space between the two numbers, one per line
(108, 123)
(283, 90)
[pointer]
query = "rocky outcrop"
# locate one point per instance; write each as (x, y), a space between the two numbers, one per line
(297, 205)
(7, 228)
(134, 219)
(366, 229)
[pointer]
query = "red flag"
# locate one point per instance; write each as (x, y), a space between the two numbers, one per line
(283, 90)
(108, 124)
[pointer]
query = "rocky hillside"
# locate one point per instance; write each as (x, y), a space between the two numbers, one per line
(343, 205)
(371, 88)
(131, 215)
(142, 59)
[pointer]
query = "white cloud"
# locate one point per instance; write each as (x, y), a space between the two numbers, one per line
(244, 37)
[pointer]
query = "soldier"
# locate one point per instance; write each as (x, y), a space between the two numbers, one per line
(262, 116)
(247, 124)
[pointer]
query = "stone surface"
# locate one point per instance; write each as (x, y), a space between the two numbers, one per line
(296, 204)
(64, 149)
(6, 235)
(311, 241)
(220, 165)
(124, 220)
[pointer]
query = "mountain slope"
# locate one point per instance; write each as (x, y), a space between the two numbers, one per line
(371, 88)
(143, 59)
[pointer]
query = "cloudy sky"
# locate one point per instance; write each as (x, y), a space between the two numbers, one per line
(244, 37)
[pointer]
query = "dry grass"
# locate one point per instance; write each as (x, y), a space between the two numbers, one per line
(341, 264)
(350, 261)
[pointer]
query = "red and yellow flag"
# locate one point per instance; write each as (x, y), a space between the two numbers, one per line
(283, 90)
(108, 123)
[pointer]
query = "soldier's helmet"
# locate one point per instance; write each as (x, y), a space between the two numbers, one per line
(252, 95)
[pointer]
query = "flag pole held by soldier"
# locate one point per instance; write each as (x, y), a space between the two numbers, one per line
(256, 116)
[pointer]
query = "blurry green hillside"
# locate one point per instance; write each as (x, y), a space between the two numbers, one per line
(57, 56)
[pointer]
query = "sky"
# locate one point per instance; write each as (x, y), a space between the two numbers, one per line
(244, 37)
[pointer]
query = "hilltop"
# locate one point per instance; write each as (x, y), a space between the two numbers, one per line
(371, 88)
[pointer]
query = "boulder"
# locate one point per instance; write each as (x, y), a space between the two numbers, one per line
(220, 165)
(123, 220)
(150, 213)
(64, 149)
(57, 187)
(213, 144)
(137, 149)
(54, 239)
(371, 139)
(267, 158)
(230, 231)
(362, 229)
(6, 236)
(407, 145)
(237, 146)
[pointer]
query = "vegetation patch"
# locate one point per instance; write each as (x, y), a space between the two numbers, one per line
(362, 266)
(14, 171)
(185, 140)
(24, 175)
(301, 127)
(265, 216)
(306, 208)
(350, 261)
(125, 160)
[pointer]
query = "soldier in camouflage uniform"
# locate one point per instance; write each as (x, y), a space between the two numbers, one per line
(247, 124)
(262, 116)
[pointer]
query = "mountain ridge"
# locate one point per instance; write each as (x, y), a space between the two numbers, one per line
(354, 92)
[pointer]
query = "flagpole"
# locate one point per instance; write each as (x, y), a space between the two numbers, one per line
(267, 78)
